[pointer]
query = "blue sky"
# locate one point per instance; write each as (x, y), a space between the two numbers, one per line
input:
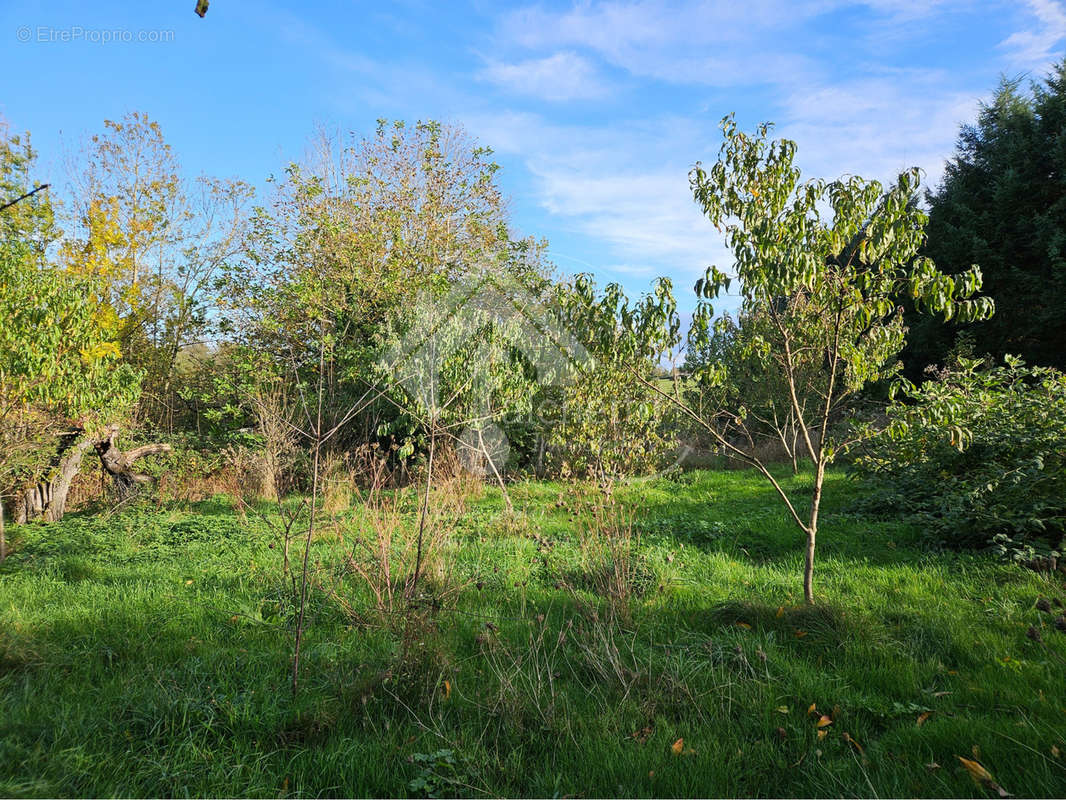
(596, 110)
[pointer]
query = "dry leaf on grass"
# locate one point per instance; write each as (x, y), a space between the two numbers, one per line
(983, 777)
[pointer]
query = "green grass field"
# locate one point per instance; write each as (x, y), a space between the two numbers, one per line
(146, 653)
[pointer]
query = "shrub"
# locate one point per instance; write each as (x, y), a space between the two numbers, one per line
(979, 456)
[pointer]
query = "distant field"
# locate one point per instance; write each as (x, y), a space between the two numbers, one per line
(147, 653)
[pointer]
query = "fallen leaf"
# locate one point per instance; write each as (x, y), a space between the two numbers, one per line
(941, 694)
(822, 733)
(852, 742)
(782, 709)
(932, 765)
(983, 777)
(1055, 750)
(824, 720)
(953, 672)
(744, 625)
(978, 772)
(780, 611)
(447, 689)
(800, 633)
(641, 736)
(677, 747)
(923, 717)
(812, 708)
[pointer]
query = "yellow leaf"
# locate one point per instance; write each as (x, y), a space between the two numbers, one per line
(744, 625)
(824, 720)
(677, 747)
(812, 708)
(800, 634)
(852, 742)
(822, 733)
(447, 689)
(782, 709)
(982, 776)
(923, 717)
(978, 772)
(780, 611)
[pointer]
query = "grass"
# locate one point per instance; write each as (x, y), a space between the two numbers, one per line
(146, 654)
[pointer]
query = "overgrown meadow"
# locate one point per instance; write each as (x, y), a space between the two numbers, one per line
(338, 486)
(649, 643)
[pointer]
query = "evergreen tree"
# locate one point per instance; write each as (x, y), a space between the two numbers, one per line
(1002, 205)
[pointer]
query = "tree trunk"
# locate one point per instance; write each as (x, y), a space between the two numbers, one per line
(48, 499)
(808, 569)
(812, 532)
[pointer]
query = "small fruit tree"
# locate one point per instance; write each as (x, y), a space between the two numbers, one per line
(824, 263)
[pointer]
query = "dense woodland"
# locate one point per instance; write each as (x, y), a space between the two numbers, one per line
(355, 356)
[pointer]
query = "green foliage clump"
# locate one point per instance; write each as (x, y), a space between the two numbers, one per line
(979, 456)
(440, 774)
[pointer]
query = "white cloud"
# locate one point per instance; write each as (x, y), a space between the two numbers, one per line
(681, 42)
(562, 76)
(625, 186)
(877, 126)
(1033, 48)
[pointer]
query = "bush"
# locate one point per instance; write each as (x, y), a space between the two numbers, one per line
(979, 456)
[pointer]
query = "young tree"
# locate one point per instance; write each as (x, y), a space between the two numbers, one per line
(352, 240)
(823, 263)
(607, 425)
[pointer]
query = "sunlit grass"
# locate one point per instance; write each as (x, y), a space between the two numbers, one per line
(142, 654)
